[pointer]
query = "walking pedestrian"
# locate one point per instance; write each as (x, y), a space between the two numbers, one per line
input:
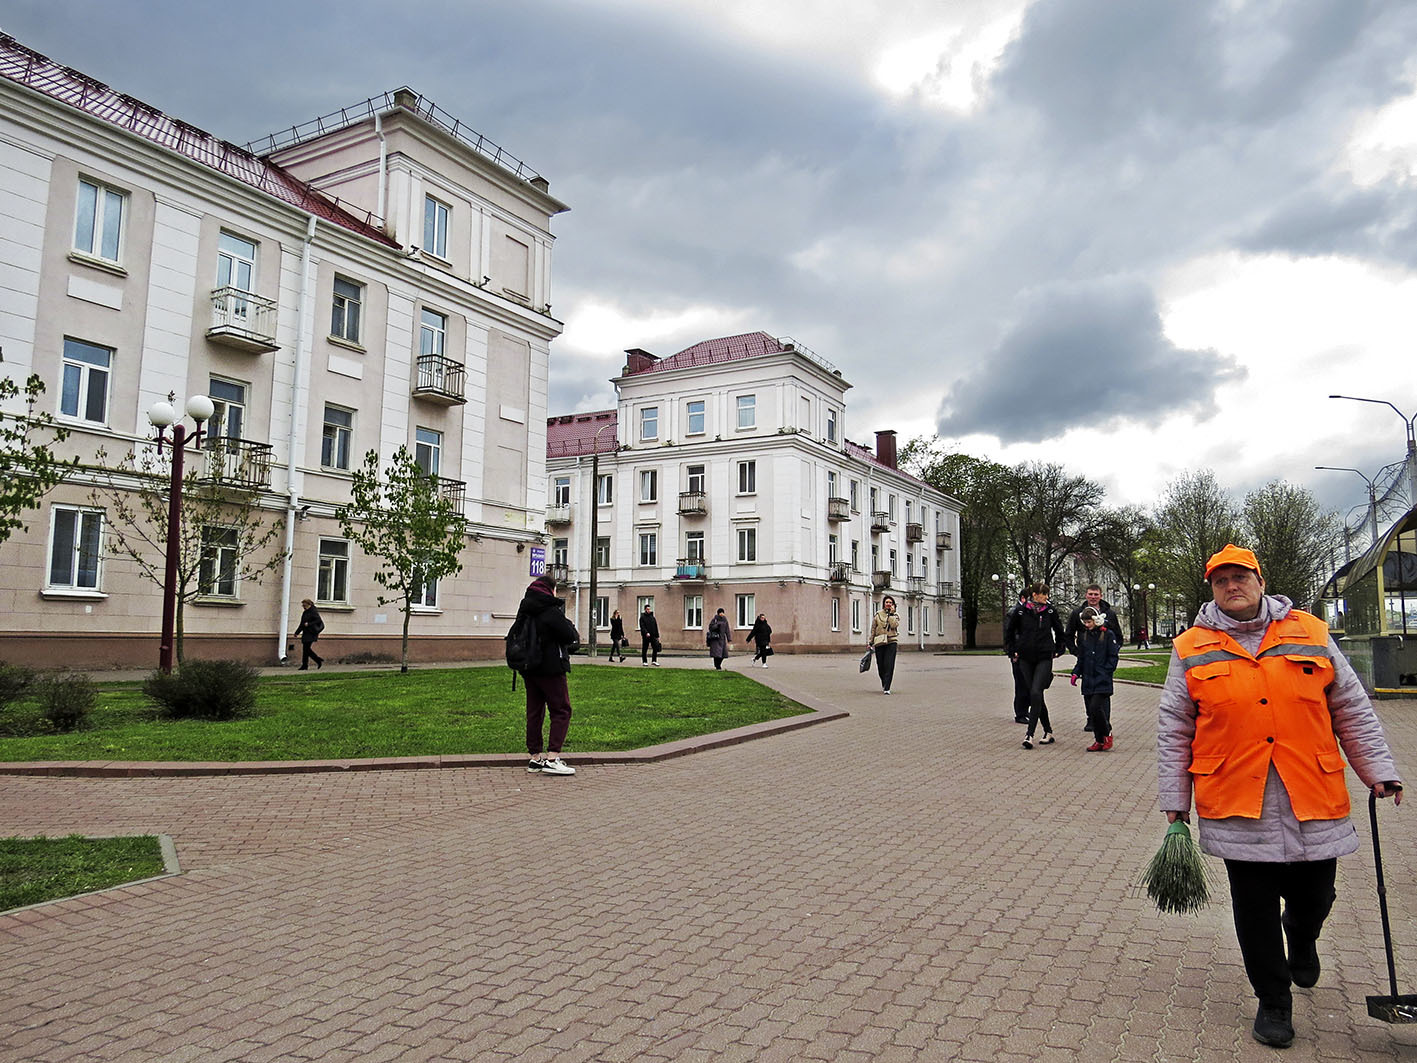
(1021, 692)
(311, 624)
(649, 637)
(617, 635)
(1256, 703)
(547, 692)
(718, 636)
(1092, 598)
(1034, 638)
(885, 639)
(761, 638)
(1097, 653)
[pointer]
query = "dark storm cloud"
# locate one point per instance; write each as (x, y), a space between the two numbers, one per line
(1083, 356)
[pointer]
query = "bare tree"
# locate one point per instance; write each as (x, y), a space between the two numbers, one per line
(224, 538)
(1196, 518)
(28, 467)
(1047, 515)
(1294, 537)
(1126, 543)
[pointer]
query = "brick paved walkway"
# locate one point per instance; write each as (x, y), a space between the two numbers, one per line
(905, 884)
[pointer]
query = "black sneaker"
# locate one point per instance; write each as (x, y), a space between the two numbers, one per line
(1274, 1026)
(1028, 742)
(535, 765)
(1304, 966)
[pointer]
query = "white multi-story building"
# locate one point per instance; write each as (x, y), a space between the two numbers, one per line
(725, 480)
(377, 278)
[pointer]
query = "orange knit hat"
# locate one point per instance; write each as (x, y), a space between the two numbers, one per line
(1232, 555)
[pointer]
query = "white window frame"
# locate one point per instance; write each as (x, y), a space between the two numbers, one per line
(602, 551)
(856, 614)
(747, 411)
(600, 612)
(836, 614)
(106, 201)
(831, 431)
(336, 440)
(436, 215)
(746, 608)
(90, 379)
(649, 423)
(229, 399)
(219, 570)
(747, 545)
(694, 546)
(693, 612)
(909, 619)
(649, 485)
(346, 309)
(561, 491)
(432, 332)
(690, 414)
(424, 598)
(649, 549)
(605, 489)
(81, 559)
(332, 571)
(429, 442)
(560, 551)
(855, 496)
(690, 476)
(231, 257)
(747, 477)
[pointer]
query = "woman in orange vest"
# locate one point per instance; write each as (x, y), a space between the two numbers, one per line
(1256, 703)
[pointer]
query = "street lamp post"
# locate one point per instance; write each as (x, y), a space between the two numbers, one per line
(1372, 498)
(1411, 444)
(595, 529)
(162, 416)
(1151, 593)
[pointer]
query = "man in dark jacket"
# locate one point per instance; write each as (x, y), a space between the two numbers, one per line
(1105, 618)
(1034, 638)
(546, 690)
(649, 636)
(1021, 692)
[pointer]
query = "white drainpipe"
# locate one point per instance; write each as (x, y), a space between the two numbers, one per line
(383, 169)
(302, 339)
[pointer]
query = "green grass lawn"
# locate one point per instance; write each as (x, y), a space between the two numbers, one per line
(41, 869)
(421, 713)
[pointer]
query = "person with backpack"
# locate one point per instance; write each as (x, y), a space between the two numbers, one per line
(311, 624)
(618, 641)
(649, 636)
(539, 648)
(717, 638)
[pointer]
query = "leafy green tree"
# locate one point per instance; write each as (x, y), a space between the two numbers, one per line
(1126, 543)
(1196, 518)
(28, 467)
(978, 484)
(1294, 537)
(399, 516)
(224, 539)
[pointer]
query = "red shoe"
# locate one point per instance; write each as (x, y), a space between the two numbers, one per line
(1107, 743)
(1096, 747)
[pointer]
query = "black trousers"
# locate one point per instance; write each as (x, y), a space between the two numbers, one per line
(308, 654)
(885, 663)
(1255, 892)
(1040, 676)
(1099, 714)
(649, 642)
(1021, 693)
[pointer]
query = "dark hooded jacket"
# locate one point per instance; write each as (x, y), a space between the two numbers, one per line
(559, 638)
(1105, 616)
(1097, 652)
(1034, 633)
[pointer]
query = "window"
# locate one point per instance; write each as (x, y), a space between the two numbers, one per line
(875, 558)
(909, 564)
(344, 315)
(746, 609)
(831, 483)
(83, 393)
(432, 333)
(216, 573)
(649, 485)
(910, 619)
(696, 481)
(560, 551)
(695, 424)
(747, 544)
(75, 546)
(874, 496)
(640, 603)
(435, 227)
(604, 489)
(649, 422)
(98, 223)
(893, 560)
(228, 420)
(425, 592)
(747, 411)
(338, 433)
(832, 549)
(855, 555)
(236, 267)
(890, 506)
(649, 548)
(831, 438)
(694, 546)
(693, 611)
(836, 614)
(602, 551)
(747, 477)
(428, 450)
(600, 611)
(924, 620)
(855, 496)
(561, 491)
(855, 614)
(925, 566)
(332, 578)
(908, 508)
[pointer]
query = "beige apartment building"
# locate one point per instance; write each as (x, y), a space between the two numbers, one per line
(377, 278)
(724, 478)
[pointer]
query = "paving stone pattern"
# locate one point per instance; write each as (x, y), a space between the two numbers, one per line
(905, 884)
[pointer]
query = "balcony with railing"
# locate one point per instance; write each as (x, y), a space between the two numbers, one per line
(691, 570)
(243, 320)
(880, 520)
(881, 580)
(838, 509)
(440, 380)
(840, 572)
(559, 572)
(455, 491)
(915, 533)
(944, 541)
(915, 586)
(693, 503)
(558, 514)
(947, 589)
(236, 462)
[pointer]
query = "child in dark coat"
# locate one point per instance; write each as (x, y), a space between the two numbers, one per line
(1096, 662)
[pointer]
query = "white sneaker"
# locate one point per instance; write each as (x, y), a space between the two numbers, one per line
(556, 766)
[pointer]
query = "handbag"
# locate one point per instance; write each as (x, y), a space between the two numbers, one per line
(865, 660)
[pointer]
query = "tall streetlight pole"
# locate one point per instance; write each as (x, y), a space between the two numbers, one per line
(1411, 444)
(1372, 497)
(162, 416)
(595, 528)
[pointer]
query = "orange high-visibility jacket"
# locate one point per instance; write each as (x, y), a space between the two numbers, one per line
(1254, 710)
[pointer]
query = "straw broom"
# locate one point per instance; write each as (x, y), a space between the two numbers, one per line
(1175, 878)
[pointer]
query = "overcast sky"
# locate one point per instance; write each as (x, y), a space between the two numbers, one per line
(1135, 237)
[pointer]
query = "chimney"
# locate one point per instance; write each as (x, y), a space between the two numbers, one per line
(885, 448)
(638, 360)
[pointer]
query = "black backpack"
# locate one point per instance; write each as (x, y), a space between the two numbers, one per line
(523, 646)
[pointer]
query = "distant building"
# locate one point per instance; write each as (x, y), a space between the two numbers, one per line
(374, 279)
(726, 481)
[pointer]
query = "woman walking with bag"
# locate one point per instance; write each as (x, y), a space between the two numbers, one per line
(885, 639)
(618, 641)
(761, 637)
(718, 638)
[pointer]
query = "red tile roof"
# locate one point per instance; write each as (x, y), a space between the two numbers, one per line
(723, 349)
(575, 433)
(27, 67)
